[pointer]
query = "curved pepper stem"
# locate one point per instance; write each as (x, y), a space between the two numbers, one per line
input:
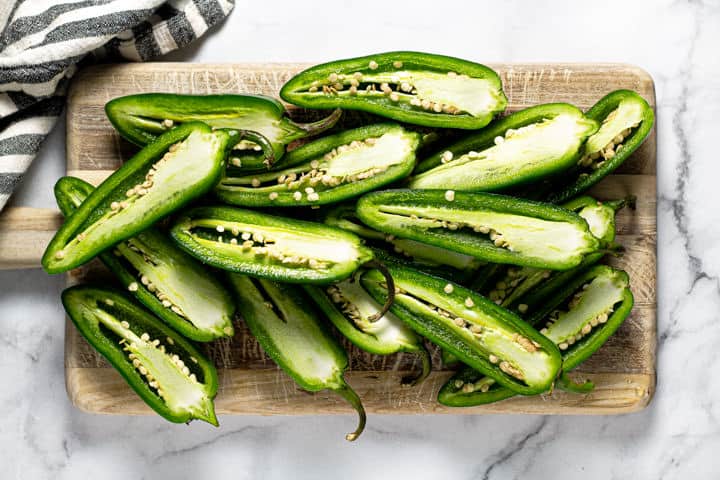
(379, 266)
(424, 355)
(569, 385)
(352, 398)
(261, 140)
(314, 128)
(630, 201)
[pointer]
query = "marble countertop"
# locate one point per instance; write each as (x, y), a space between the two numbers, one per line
(43, 436)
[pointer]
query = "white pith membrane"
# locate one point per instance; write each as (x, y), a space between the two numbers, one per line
(350, 163)
(178, 170)
(516, 355)
(295, 334)
(433, 255)
(589, 307)
(163, 371)
(176, 285)
(432, 92)
(607, 141)
(482, 385)
(519, 152)
(357, 305)
(273, 245)
(600, 219)
(515, 282)
(548, 240)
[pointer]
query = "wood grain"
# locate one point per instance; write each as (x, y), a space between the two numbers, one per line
(623, 370)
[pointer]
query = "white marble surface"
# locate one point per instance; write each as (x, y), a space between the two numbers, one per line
(678, 435)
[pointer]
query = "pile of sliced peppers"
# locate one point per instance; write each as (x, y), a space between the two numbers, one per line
(452, 253)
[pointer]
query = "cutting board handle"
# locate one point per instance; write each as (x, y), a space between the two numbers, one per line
(24, 234)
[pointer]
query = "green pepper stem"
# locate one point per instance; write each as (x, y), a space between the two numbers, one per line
(379, 266)
(424, 355)
(313, 128)
(630, 201)
(569, 385)
(352, 398)
(261, 140)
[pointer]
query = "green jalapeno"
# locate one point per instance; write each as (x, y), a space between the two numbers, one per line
(276, 248)
(490, 227)
(143, 117)
(283, 321)
(412, 87)
(180, 166)
(480, 333)
(328, 170)
(528, 145)
(349, 307)
(163, 368)
(170, 283)
(579, 320)
(422, 256)
(627, 120)
(508, 285)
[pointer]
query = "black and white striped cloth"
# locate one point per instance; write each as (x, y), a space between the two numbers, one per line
(43, 42)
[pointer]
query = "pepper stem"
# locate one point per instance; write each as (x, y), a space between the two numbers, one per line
(424, 355)
(313, 128)
(630, 201)
(569, 385)
(261, 140)
(390, 288)
(352, 398)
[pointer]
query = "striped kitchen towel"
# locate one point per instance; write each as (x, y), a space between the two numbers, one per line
(42, 43)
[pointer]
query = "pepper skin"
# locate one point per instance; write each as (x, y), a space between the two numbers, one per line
(282, 319)
(329, 170)
(163, 368)
(142, 118)
(169, 282)
(490, 227)
(412, 87)
(535, 143)
(152, 184)
(626, 121)
(481, 334)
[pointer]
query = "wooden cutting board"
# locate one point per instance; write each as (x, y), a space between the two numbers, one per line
(623, 370)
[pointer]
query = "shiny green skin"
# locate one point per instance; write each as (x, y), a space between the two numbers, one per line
(447, 336)
(259, 268)
(81, 297)
(381, 105)
(293, 319)
(138, 118)
(238, 191)
(70, 192)
(113, 189)
(572, 357)
(567, 190)
(369, 211)
(485, 138)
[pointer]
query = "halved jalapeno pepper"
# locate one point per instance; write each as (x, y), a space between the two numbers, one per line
(494, 228)
(523, 147)
(328, 170)
(142, 118)
(579, 320)
(626, 121)
(163, 368)
(283, 321)
(480, 333)
(350, 308)
(262, 245)
(169, 282)
(181, 165)
(412, 87)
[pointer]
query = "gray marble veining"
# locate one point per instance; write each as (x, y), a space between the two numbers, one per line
(678, 435)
